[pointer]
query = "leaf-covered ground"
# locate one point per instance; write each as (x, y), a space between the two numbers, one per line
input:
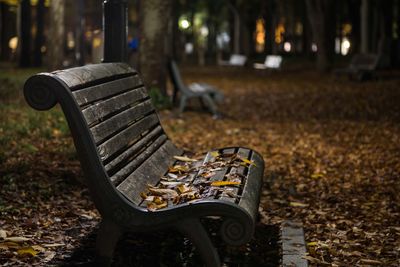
(331, 148)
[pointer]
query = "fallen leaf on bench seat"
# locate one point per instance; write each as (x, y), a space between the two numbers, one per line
(151, 206)
(248, 162)
(214, 154)
(224, 183)
(171, 183)
(182, 188)
(165, 192)
(178, 169)
(184, 158)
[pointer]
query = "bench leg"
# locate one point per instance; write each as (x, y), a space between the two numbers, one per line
(107, 238)
(182, 103)
(210, 104)
(195, 231)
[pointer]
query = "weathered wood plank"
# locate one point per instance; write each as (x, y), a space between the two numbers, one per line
(125, 137)
(139, 145)
(114, 124)
(245, 154)
(139, 159)
(104, 90)
(251, 190)
(76, 77)
(101, 109)
(149, 172)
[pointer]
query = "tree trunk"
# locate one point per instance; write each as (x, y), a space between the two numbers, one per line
(56, 40)
(79, 33)
(355, 20)
(386, 29)
(152, 50)
(25, 34)
(37, 53)
(322, 20)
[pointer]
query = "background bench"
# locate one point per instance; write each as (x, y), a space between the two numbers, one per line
(123, 149)
(361, 67)
(205, 92)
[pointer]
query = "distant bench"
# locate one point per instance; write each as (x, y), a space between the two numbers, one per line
(272, 62)
(123, 150)
(361, 67)
(234, 60)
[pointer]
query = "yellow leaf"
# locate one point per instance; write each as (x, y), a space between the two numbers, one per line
(298, 204)
(312, 244)
(214, 154)
(224, 183)
(27, 251)
(184, 158)
(317, 175)
(248, 162)
(56, 132)
(151, 206)
(183, 188)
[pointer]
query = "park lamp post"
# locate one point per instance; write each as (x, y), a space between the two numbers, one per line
(115, 28)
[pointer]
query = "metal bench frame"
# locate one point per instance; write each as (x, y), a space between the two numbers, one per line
(206, 93)
(92, 98)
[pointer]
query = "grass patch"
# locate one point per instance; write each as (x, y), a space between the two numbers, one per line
(12, 81)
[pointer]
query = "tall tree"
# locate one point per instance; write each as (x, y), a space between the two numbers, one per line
(323, 24)
(25, 34)
(39, 38)
(56, 40)
(155, 15)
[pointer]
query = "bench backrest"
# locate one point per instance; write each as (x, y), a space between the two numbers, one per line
(273, 61)
(176, 78)
(364, 62)
(116, 130)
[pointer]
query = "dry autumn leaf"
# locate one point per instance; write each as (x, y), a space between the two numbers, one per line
(298, 204)
(165, 192)
(3, 234)
(16, 239)
(184, 158)
(224, 183)
(27, 251)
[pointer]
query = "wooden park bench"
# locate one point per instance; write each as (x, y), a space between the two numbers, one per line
(361, 67)
(205, 92)
(125, 153)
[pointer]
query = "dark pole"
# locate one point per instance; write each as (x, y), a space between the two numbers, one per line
(115, 27)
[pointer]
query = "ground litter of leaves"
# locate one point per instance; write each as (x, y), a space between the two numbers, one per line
(332, 161)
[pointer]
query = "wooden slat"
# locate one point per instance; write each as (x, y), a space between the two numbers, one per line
(251, 190)
(135, 148)
(219, 175)
(121, 120)
(135, 162)
(101, 109)
(123, 138)
(149, 172)
(104, 90)
(76, 77)
(245, 154)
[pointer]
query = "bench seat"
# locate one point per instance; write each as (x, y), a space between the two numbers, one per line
(123, 151)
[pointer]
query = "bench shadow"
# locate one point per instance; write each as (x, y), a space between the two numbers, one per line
(169, 248)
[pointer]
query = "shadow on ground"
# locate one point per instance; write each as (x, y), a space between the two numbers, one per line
(172, 249)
